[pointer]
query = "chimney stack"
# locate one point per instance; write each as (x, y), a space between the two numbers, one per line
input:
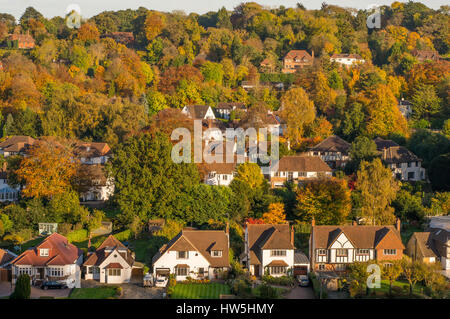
(227, 229)
(399, 224)
(312, 54)
(313, 222)
(354, 223)
(292, 234)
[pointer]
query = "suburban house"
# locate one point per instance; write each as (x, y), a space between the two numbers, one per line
(94, 183)
(54, 259)
(267, 66)
(298, 169)
(421, 247)
(268, 249)
(425, 55)
(16, 145)
(196, 254)
(333, 150)
(125, 38)
(220, 174)
(7, 193)
(296, 60)
(439, 240)
(347, 59)
(223, 110)
(275, 124)
(405, 108)
(111, 263)
(5, 264)
(199, 112)
(405, 165)
(21, 41)
(332, 248)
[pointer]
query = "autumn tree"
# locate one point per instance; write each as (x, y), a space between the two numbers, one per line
(275, 215)
(154, 24)
(88, 32)
(297, 111)
(327, 201)
(391, 271)
(413, 271)
(48, 169)
(378, 189)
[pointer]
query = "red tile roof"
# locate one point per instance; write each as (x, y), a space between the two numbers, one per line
(61, 252)
(114, 266)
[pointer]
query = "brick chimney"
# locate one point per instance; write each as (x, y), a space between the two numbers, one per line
(398, 225)
(227, 229)
(354, 223)
(292, 234)
(312, 54)
(313, 222)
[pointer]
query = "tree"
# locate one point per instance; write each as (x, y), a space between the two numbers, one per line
(147, 181)
(327, 201)
(425, 102)
(250, 174)
(378, 189)
(358, 275)
(362, 149)
(439, 172)
(413, 271)
(154, 24)
(22, 289)
(88, 32)
(391, 271)
(298, 111)
(275, 215)
(48, 169)
(223, 19)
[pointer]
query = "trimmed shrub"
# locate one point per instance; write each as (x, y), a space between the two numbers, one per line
(23, 288)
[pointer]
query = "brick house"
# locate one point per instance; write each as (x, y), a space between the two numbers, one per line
(422, 248)
(332, 248)
(269, 249)
(296, 60)
(54, 259)
(16, 145)
(333, 150)
(298, 169)
(425, 55)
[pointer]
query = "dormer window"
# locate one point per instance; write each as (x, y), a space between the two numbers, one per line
(43, 252)
(182, 254)
(216, 253)
(278, 252)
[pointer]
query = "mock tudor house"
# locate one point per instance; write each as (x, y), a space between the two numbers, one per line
(54, 259)
(296, 60)
(298, 169)
(16, 145)
(333, 248)
(92, 153)
(347, 59)
(199, 112)
(268, 249)
(404, 164)
(333, 150)
(111, 263)
(220, 174)
(197, 254)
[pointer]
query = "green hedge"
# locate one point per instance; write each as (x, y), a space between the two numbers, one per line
(316, 286)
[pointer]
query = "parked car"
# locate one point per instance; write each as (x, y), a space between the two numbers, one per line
(161, 282)
(53, 285)
(148, 280)
(303, 280)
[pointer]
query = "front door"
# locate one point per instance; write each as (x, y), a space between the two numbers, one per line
(256, 270)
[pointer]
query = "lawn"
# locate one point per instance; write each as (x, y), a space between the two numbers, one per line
(200, 291)
(93, 293)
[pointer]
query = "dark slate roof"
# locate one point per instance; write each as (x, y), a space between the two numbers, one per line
(332, 144)
(382, 144)
(300, 258)
(424, 242)
(198, 111)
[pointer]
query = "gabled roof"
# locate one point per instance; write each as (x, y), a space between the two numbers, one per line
(17, 143)
(109, 245)
(425, 244)
(302, 164)
(382, 143)
(91, 149)
(61, 252)
(298, 55)
(5, 256)
(399, 154)
(332, 144)
(364, 237)
(203, 241)
(267, 236)
(425, 54)
(197, 112)
(231, 105)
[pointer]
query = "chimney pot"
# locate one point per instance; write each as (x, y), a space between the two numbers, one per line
(292, 234)
(399, 224)
(227, 230)
(313, 222)
(354, 223)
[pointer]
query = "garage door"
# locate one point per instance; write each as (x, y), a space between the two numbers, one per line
(300, 270)
(162, 272)
(5, 275)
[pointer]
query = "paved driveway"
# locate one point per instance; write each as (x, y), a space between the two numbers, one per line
(301, 293)
(36, 293)
(130, 291)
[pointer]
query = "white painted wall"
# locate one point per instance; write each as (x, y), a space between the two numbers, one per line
(169, 260)
(267, 259)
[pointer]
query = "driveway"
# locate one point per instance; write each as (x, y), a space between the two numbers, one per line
(129, 291)
(36, 293)
(301, 293)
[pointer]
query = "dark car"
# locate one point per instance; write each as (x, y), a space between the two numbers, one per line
(53, 285)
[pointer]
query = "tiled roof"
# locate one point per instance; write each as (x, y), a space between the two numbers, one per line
(367, 237)
(382, 143)
(114, 266)
(104, 250)
(61, 252)
(198, 112)
(281, 263)
(5, 256)
(302, 164)
(298, 55)
(91, 149)
(332, 144)
(267, 236)
(17, 143)
(425, 244)
(203, 241)
(426, 54)
(399, 154)
(230, 105)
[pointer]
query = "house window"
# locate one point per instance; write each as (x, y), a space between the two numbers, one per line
(342, 252)
(302, 174)
(55, 272)
(390, 252)
(182, 254)
(225, 177)
(216, 253)
(113, 272)
(340, 267)
(94, 270)
(201, 271)
(362, 251)
(399, 165)
(411, 175)
(43, 252)
(290, 176)
(182, 271)
(277, 270)
(274, 253)
(409, 164)
(24, 270)
(322, 252)
(387, 265)
(321, 267)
